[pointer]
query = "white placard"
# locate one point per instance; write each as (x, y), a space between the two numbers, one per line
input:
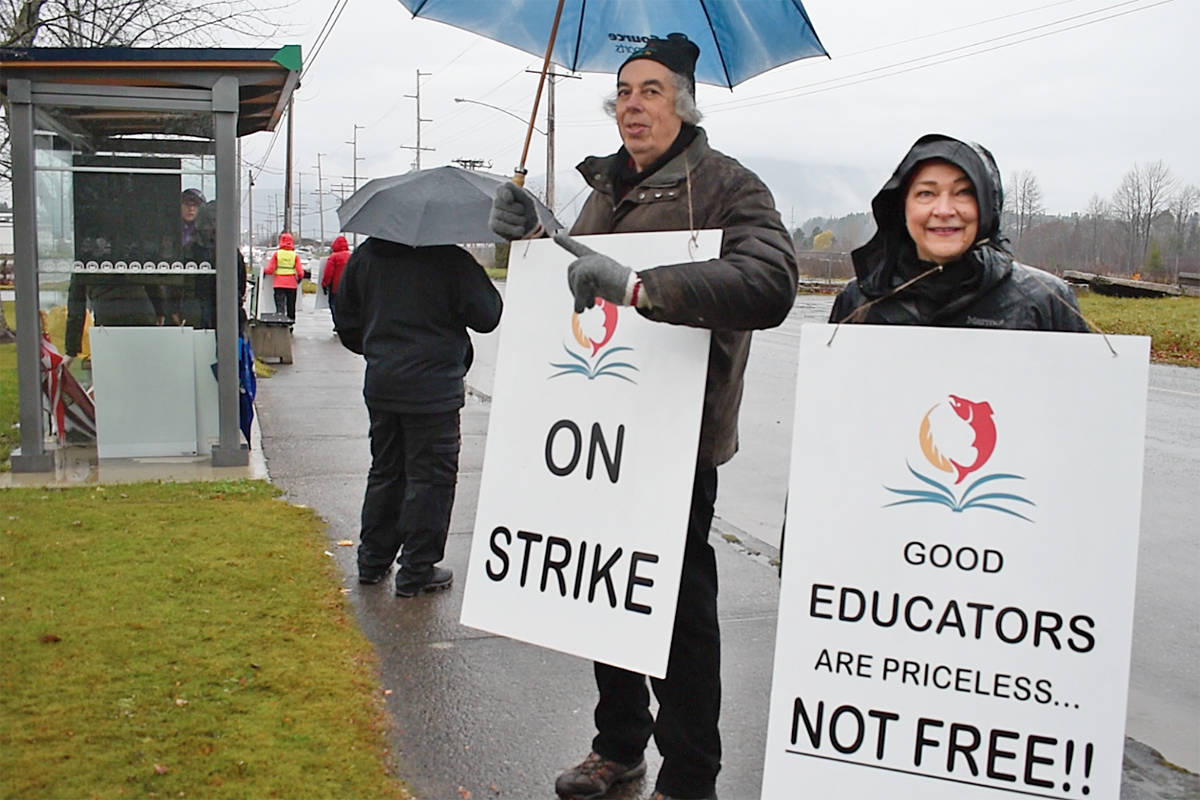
(266, 293)
(591, 452)
(958, 580)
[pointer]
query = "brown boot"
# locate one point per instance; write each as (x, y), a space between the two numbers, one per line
(594, 776)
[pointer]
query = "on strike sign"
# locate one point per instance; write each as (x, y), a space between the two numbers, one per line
(591, 452)
(957, 601)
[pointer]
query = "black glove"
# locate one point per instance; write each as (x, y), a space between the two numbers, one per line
(514, 215)
(593, 275)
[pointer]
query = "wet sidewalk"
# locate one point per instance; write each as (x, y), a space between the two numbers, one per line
(477, 713)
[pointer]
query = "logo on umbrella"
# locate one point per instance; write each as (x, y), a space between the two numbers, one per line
(958, 437)
(592, 331)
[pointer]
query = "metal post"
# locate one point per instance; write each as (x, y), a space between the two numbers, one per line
(229, 451)
(33, 456)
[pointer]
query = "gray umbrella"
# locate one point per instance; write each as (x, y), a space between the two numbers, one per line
(443, 205)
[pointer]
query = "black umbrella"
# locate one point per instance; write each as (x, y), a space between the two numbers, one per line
(443, 205)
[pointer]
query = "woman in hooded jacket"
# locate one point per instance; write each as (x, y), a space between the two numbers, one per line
(331, 274)
(938, 257)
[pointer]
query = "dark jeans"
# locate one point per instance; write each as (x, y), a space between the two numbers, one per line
(285, 302)
(410, 491)
(689, 698)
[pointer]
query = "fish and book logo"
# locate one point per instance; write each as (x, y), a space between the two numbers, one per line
(957, 437)
(592, 333)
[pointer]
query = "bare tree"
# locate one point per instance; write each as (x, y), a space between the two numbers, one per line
(1183, 205)
(1097, 213)
(121, 23)
(1158, 183)
(1025, 201)
(1129, 208)
(126, 23)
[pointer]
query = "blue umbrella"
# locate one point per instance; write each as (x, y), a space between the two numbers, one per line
(738, 39)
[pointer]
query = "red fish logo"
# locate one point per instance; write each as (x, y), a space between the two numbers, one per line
(959, 436)
(593, 330)
(610, 326)
(979, 417)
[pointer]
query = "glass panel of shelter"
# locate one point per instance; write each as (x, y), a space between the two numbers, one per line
(126, 228)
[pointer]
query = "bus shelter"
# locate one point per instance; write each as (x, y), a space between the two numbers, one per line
(126, 209)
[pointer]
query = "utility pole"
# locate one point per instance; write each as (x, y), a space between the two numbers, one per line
(417, 97)
(287, 177)
(550, 144)
(357, 128)
(550, 79)
(320, 199)
(299, 208)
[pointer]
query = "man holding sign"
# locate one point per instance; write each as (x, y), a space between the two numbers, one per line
(665, 177)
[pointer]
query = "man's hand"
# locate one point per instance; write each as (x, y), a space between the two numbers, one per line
(593, 275)
(513, 213)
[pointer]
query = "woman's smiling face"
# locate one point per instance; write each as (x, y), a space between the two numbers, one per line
(941, 212)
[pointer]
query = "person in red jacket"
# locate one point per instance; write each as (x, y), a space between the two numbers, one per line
(288, 271)
(331, 276)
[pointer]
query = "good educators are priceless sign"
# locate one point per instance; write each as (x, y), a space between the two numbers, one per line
(957, 601)
(591, 452)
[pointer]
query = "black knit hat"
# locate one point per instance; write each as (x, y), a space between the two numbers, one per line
(677, 53)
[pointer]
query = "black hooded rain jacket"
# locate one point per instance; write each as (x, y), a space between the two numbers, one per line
(986, 288)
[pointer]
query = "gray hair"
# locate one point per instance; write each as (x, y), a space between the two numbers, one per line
(685, 103)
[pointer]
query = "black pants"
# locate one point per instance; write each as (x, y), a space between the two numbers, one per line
(410, 491)
(689, 698)
(285, 302)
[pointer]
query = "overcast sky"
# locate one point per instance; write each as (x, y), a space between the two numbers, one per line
(1077, 91)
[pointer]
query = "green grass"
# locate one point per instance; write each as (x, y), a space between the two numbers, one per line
(172, 640)
(1172, 323)
(497, 273)
(10, 436)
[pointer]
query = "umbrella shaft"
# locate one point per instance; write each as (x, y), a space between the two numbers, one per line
(519, 177)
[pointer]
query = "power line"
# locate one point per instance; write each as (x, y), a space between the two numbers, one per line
(957, 28)
(846, 80)
(335, 14)
(326, 30)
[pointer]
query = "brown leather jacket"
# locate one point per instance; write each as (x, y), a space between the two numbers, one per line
(751, 286)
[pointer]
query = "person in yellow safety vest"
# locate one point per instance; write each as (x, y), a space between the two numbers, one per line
(288, 271)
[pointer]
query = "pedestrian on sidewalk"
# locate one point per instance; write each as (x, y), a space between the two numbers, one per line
(331, 275)
(407, 310)
(285, 265)
(666, 177)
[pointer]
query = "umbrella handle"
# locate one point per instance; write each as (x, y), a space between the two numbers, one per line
(520, 172)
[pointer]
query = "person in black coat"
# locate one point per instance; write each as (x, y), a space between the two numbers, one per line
(938, 256)
(407, 310)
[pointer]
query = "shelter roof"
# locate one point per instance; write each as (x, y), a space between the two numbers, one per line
(266, 79)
